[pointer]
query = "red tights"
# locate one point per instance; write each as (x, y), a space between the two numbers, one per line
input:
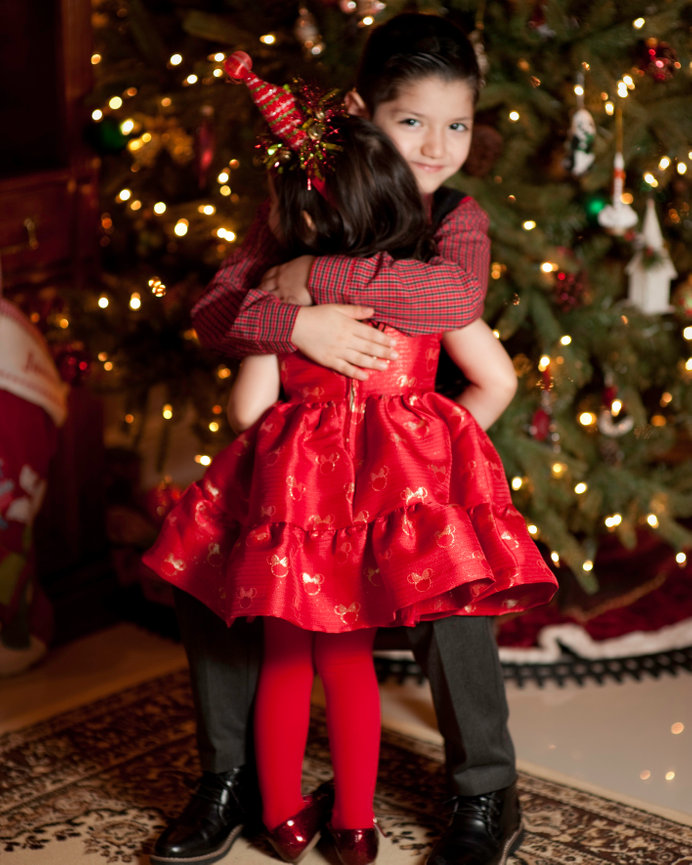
(282, 716)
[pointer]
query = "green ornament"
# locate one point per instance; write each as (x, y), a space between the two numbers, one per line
(594, 203)
(106, 136)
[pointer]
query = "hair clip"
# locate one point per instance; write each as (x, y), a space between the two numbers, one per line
(299, 118)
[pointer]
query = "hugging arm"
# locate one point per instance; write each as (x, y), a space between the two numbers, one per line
(238, 318)
(228, 317)
(235, 318)
(401, 290)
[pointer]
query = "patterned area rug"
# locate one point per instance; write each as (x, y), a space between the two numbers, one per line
(97, 784)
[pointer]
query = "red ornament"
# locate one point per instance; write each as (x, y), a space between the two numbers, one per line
(73, 362)
(570, 282)
(538, 21)
(486, 147)
(657, 59)
(609, 394)
(205, 141)
(540, 425)
(161, 499)
(570, 290)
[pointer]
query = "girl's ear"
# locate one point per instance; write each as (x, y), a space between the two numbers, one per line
(355, 105)
(308, 220)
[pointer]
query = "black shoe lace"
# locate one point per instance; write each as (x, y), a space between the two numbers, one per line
(486, 809)
(216, 787)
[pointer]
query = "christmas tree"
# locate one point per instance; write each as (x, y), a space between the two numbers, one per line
(583, 128)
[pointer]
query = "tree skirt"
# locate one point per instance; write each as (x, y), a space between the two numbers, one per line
(97, 784)
(646, 632)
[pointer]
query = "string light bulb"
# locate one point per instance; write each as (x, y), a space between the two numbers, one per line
(158, 289)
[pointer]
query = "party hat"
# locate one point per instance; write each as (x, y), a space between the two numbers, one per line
(277, 105)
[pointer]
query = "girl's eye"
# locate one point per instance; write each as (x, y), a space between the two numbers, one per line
(409, 121)
(458, 127)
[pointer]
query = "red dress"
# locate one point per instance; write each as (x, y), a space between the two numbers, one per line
(353, 505)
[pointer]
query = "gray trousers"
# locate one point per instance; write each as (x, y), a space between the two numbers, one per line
(458, 655)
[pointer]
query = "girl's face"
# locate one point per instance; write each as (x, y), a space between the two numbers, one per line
(430, 121)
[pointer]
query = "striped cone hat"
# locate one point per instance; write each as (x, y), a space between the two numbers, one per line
(278, 106)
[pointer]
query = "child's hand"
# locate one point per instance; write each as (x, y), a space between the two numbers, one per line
(289, 282)
(334, 336)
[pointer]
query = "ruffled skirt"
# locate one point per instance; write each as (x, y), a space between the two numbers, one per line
(335, 517)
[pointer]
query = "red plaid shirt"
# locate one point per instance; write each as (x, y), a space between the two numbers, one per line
(416, 297)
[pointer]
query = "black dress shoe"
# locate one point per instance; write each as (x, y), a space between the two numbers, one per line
(210, 822)
(483, 830)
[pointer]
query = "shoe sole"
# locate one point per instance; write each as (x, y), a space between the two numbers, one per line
(512, 844)
(303, 853)
(204, 859)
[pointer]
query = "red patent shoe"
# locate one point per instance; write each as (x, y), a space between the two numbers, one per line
(295, 837)
(355, 846)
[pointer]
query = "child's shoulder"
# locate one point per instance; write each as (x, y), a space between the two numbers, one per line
(452, 204)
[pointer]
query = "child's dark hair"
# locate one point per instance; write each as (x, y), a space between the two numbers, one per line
(409, 47)
(371, 202)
